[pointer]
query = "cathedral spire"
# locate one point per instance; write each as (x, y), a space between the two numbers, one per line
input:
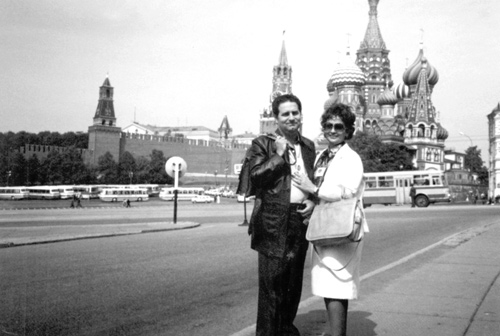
(373, 37)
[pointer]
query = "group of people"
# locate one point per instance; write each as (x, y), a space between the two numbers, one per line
(289, 180)
(76, 201)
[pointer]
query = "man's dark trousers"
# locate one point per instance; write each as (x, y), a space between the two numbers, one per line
(280, 283)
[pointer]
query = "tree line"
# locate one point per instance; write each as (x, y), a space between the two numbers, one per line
(68, 166)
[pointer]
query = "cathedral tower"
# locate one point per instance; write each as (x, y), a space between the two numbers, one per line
(422, 130)
(282, 84)
(104, 136)
(372, 58)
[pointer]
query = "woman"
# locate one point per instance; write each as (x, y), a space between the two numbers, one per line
(338, 175)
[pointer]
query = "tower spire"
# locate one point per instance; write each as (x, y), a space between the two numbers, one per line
(373, 37)
(283, 60)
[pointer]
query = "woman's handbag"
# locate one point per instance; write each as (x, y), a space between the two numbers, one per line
(336, 223)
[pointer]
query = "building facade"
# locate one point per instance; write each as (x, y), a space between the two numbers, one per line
(494, 152)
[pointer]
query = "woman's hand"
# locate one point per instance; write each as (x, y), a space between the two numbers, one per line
(309, 206)
(301, 181)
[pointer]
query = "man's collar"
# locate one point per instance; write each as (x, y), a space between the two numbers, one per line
(299, 137)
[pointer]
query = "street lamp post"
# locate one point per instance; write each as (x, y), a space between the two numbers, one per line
(465, 135)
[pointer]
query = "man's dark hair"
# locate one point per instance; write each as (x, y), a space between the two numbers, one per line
(344, 112)
(283, 99)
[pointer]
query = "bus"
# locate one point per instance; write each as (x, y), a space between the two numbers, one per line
(13, 193)
(66, 192)
(44, 192)
(183, 194)
(153, 189)
(88, 191)
(394, 187)
(122, 194)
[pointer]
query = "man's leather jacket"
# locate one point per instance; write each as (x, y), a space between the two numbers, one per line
(270, 176)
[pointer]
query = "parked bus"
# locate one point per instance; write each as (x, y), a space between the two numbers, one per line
(183, 194)
(394, 187)
(122, 194)
(153, 189)
(88, 191)
(13, 193)
(66, 192)
(44, 192)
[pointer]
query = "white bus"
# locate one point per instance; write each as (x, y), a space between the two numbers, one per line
(44, 192)
(66, 192)
(394, 187)
(88, 191)
(183, 194)
(153, 189)
(122, 194)
(13, 193)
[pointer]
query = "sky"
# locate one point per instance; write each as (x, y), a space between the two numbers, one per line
(190, 63)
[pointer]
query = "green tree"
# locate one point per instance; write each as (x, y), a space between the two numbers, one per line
(126, 166)
(73, 169)
(18, 170)
(51, 169)
(107, 169)
(378, 156)
(475, 164)
(157, 172)
(142, 170)
(33, 170)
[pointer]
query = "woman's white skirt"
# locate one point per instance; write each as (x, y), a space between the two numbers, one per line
(331, 278)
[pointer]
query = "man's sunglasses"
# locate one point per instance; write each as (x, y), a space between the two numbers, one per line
(337, 127)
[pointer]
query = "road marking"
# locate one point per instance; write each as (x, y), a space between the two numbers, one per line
(249, 331)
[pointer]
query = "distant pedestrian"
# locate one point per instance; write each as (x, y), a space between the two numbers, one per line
(413, 192)
(128, 203)
(78, 202)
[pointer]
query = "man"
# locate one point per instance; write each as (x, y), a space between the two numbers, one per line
(277, 223)
(413, 192)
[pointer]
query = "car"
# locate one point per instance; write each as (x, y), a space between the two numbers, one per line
(228, 193)
(202, 199)
(241, 198)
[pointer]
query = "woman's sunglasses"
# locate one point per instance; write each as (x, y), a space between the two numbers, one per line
(336, 127)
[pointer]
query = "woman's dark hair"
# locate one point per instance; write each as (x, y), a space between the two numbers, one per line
(345, 114)
(283, 99)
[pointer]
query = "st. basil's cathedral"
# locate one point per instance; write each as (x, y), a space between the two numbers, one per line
(401, 113)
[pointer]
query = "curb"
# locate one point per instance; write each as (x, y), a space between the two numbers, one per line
(94, 236)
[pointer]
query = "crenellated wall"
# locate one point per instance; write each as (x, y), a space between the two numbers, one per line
(201, 156)
(42, 151)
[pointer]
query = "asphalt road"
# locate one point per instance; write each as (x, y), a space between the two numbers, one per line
(193, 282)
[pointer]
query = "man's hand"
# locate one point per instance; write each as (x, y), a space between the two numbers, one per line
(280, 145)
(308, 209)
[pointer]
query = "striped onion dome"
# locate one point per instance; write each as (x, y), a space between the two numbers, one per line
(346, 73)
(401, 91)
(410, 76)
(387, 98)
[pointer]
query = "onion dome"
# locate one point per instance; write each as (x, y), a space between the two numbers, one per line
(334, 97)
(346, 73)
(387, 98)
(401, 91)
(442, 133)
(410, 76)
